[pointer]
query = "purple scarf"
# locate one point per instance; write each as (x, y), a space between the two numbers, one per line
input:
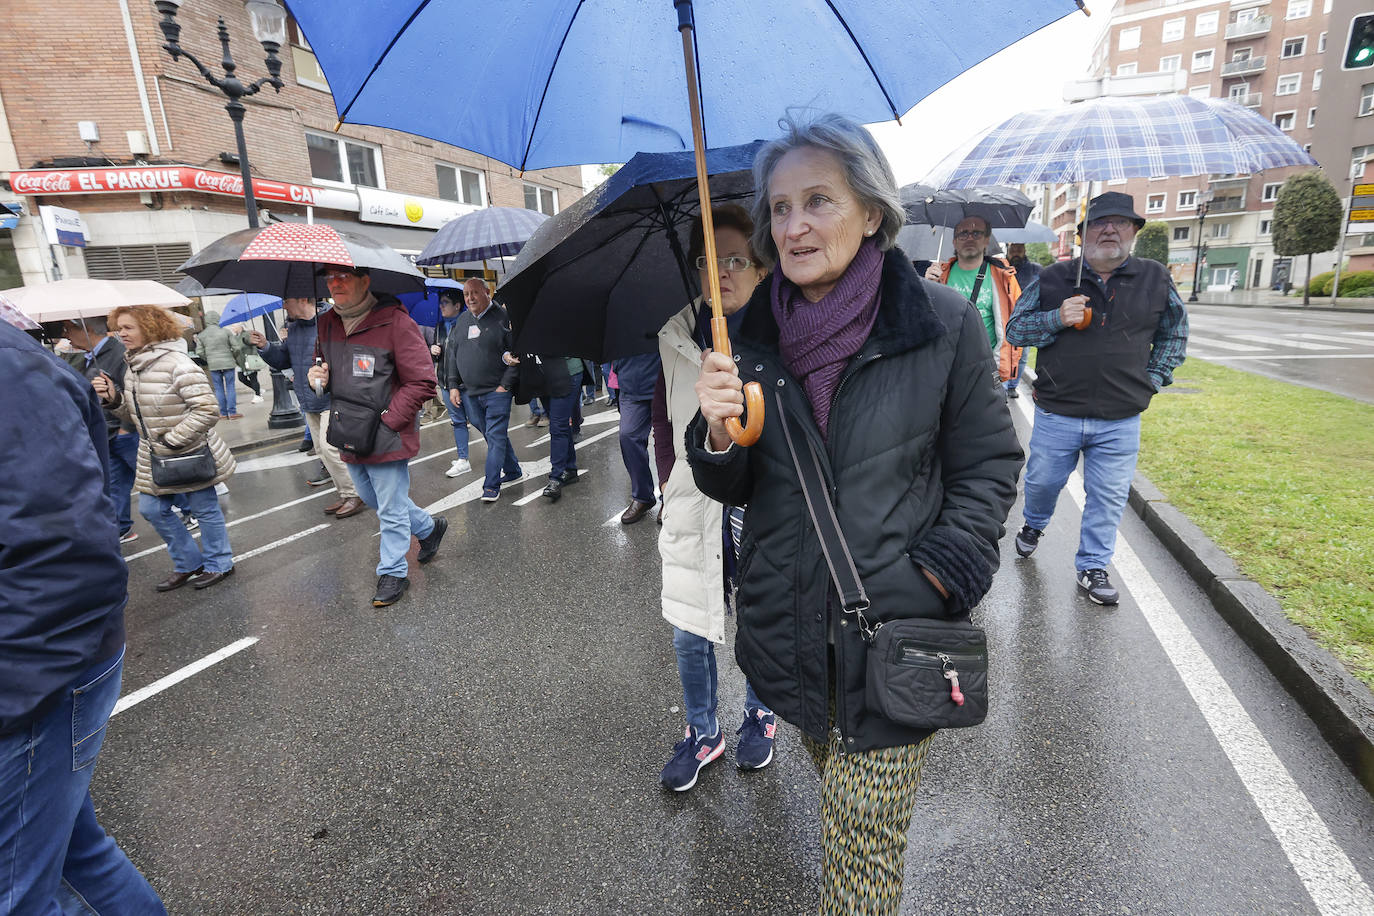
(817, 339)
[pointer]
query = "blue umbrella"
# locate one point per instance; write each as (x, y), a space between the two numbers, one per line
(1110, 138)
(424, 307)
(492, 232)
(248, 305)
(565, 82)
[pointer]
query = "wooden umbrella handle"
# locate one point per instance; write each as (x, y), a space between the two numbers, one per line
(748, 433)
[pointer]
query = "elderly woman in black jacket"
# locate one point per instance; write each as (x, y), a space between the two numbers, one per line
(890, 378)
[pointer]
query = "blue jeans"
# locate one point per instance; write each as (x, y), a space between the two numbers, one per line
(123, 469)
(54, 856)
(223, 382)
(562, 453)
(636, 415)
(1109, 449)
(1020, 368)
(459, 419)
(537, 408)
(491, 413)
(696, 667)
(213, 553)
(386, 488)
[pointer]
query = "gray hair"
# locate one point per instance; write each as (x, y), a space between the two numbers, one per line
(866, 170)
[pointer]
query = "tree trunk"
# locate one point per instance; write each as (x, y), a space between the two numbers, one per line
(1307, 283)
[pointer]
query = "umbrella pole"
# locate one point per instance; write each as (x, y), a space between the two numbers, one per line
(749, 433)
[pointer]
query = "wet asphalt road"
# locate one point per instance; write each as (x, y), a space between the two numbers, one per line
(491, 744)
(1330, 350)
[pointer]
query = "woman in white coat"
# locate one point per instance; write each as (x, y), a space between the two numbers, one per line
(700, 537)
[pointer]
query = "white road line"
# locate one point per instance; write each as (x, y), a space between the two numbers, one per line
(613, 520)
(604, 417)
(1282, 342)
(1239, 348)
(526, 500)
(1327, 873)
(257, 551)
(272, 462)
(473, 490)
(1283, 356)
(1332, 337)
(239, 521)
(176, 677)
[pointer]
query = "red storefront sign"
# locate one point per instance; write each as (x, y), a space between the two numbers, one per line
(164, 178)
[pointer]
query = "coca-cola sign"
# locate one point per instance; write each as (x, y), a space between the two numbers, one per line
(126, 179)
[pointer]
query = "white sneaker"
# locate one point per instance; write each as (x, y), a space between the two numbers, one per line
(458, 467)
(257, 399)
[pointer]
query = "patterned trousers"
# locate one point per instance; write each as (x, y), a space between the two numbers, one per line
(866, 806)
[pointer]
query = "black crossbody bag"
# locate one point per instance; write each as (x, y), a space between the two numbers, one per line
(922, 672)
(189, 469)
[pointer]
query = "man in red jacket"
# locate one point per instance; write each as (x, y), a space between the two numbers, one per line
(384, 376)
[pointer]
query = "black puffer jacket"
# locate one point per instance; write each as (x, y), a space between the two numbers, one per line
(922, 459)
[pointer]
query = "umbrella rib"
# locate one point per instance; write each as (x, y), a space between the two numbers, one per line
(867, 63)
(534, 125)
(381, 57)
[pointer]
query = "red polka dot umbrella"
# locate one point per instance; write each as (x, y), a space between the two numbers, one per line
(284, 259)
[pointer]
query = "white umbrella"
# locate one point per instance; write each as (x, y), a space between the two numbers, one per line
(82, 298)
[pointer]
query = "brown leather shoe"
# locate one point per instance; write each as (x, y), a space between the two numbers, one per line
(207, 579)
(335, 506)
(177, 580)
(636, 511)
(351, 506)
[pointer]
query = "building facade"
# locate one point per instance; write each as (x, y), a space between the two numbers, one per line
(97, 119)
(1267, 55)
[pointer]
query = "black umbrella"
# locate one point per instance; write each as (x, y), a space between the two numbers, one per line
(601, 278)
(283, 259)
(1003, 208)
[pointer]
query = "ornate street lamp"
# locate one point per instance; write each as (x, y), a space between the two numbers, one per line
(1198, 247)
(269, 27)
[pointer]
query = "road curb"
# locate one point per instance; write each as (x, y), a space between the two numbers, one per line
(1340, 705)
(272, 438)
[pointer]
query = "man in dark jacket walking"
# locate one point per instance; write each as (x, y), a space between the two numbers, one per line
(1026, 271)
(480, 369)
(381, 377)
(297, 353)
(63, 588)
(637, 376)
(1093, 383)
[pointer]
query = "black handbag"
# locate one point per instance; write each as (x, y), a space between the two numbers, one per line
(922, 672)
(352, 426)
(193, 469)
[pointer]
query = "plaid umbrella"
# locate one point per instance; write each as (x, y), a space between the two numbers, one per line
(1120, 138)
(11, 313)
(492, 232)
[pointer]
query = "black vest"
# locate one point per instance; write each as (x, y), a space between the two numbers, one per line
(1099, 372)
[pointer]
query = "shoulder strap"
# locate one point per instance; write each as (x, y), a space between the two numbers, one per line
(853, 598)
(978, 283)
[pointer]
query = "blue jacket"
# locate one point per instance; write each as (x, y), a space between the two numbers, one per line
(638, 375)
(63, 583)
(297, 353)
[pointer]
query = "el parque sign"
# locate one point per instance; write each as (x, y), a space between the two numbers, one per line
(171, 178)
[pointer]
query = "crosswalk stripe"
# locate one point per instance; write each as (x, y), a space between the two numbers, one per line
(1283, 343)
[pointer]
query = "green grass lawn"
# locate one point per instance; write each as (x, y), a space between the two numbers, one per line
(1282, 477)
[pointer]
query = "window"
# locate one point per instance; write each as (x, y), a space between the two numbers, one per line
(1187, 200)
(1206, 23)
(545, 200)
(1266, 227)
(1125, 70)
(308, 72)
(1294, 47)
(1154, 203)
(344, 161)
(1202, 60)
(1366, 99)
(1311, 117)
(1238, 91)
(1171, 63)
(1221, 230)
(1246, 16)
(1316, 80)
(1129, 39)
(1321, 42)
(1241, 54)
(1200, 92)
(462, 185)
(1299, 9)
(1173, 29)
(1288, 84)
(1357, 158)
(1181, 233)
(1271, 190)
(1283, 120)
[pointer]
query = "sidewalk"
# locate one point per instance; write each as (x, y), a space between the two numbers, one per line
(1264, 298)
(252, 430)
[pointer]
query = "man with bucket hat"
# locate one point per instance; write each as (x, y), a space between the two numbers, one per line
(1110, 330)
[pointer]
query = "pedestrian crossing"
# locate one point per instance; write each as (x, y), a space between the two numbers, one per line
(1220, 340)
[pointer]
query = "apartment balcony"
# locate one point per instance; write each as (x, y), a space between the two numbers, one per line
(1226, 205)
(1249, 29)
(1248, 100)
(1242, 67)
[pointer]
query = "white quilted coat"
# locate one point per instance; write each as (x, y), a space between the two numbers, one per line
(178, 407)
(690, 541)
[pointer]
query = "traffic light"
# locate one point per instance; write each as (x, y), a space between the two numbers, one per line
(1359, 48)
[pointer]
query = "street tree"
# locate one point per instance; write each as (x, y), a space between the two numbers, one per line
(1039, 252)
(1152, 242)
(1307, 219)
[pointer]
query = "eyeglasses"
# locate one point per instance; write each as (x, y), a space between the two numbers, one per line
(331, 275)
(1119, 223)
(970, 234)
(734, 265)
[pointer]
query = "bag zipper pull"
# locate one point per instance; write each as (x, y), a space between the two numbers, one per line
(955, 694)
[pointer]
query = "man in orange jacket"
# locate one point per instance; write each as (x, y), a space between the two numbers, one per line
(988, 284)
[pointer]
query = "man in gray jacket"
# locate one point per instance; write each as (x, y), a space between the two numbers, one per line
(219, 349)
